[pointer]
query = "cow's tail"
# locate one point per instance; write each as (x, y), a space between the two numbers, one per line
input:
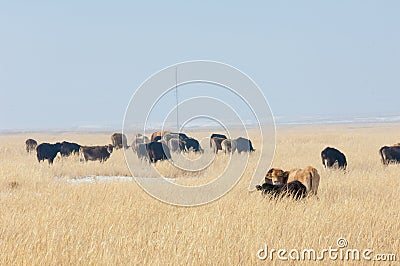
(383, 157)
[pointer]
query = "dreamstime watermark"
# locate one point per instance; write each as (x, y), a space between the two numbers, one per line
(240, 95)
(338, 252)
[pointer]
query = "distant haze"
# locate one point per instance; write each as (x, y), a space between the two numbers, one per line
(76, 64)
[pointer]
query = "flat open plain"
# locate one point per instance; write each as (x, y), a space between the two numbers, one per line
(45, 221)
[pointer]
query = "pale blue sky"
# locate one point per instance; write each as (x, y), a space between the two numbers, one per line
(77, 63)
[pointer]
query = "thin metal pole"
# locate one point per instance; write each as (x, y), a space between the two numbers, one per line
(177, 99)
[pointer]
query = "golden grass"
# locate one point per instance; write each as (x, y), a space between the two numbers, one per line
(47, 222)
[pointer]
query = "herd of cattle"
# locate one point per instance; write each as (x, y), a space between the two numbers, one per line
(296, 182)
(158, 147)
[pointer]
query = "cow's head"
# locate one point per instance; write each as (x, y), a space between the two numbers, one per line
(276, 176)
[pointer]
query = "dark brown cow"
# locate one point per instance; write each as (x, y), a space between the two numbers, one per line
(390, 154)
(95, 153)
(216, 144)
(30, 145)
(119, 141)
(153, 151)
(68, 148)
(192, 144)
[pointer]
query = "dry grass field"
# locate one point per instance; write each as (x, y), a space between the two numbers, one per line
(47, 221)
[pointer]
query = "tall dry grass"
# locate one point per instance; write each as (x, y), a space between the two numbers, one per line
(44, 221)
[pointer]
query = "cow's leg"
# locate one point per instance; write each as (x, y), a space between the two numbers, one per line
(325, 163)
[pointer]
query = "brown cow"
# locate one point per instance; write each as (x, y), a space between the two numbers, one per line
(119, 141)
(308, 176)
(93, 153)
(158, 134)
(30, 145)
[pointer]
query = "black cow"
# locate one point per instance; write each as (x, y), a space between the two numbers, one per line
(193, 144)
(157, 138)
(244, 145)
(333, 158)
(221, 136)
(293, 189)
(30, 145)
(119, 141)
(68, 148)
(181, 136)
(390, 154)
(47, 151)
(157, 151)
(95, 153)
